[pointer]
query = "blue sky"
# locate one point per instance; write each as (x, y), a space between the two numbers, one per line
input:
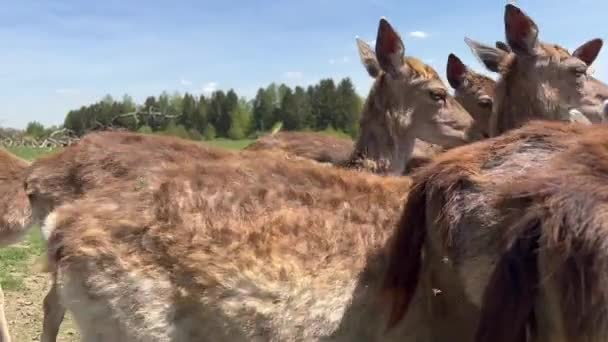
(57, 55)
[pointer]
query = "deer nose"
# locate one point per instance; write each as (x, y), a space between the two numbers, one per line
(574, 115)
(605, 111)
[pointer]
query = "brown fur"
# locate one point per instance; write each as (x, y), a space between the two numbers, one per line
(540, 80)
(476, 92)
(270, 248)
(565, 213)
(316, 146)
(102, 158)
(97, 161)
(14, 214)
(14, 209)
(507, 213)
(408, 101)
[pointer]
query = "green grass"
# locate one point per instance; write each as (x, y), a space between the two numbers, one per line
(30, 153)
(15, 260)
(230, 144)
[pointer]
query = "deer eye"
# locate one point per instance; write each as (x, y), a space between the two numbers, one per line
(485, 103)
(438, 94)
(579, 71)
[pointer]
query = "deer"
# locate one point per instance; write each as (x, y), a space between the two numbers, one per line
(71, 176)
(540, 80)
(473, 90)
(388, 153)
(321, 147)
(15, 214)
(515, 223)
(386, 82)
(97, 160)
(220, 250)
(311, 253)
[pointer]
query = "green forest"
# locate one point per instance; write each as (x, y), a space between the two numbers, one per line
(223, 114)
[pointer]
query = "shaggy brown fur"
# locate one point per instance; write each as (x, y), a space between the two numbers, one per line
(507, 213)
(14, 214)
(97, 161)
(563, 212)
(14, 208)
(316, 146)
(250, 247)
(540, 80)
(102, 158)
(327, 149)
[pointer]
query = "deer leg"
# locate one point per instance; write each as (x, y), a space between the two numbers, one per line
(54, 312)
(4, 335)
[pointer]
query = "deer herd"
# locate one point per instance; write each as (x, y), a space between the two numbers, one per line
(474, 217)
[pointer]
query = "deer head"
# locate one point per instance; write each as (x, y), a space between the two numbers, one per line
(541, 80)
(473, 90)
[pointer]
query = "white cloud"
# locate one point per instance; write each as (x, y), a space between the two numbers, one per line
(210, 87)
(185, 82)
(418, 34)
(294, 75)
(67, 91)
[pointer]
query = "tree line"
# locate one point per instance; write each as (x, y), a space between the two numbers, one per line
(323, 106)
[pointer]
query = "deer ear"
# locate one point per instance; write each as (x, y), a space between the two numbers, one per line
(368, 58)
(456, 70)
(390, 51)
(503, 46)
(489, 56)
(589, 51)
(521, 31)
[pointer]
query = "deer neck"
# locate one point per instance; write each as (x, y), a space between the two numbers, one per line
(387, 150)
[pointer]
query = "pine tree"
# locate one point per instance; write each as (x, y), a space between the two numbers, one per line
(281, 91)
(35, 129)
(215, 110)
(240, 121)
(303, 108)
(325, 103)
(289, 112)
(229, 105)
(128, 104)
(348, 108)
(263, 110)
(188, 117)
(200, 119)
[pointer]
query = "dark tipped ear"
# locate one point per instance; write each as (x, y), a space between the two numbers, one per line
(368, 58)
(589, 51)
(389, 48)
(521, 31)
(503, 46)
(489, 56)
(456, 71)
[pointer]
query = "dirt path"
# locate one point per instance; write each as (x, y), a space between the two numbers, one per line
(24, 312)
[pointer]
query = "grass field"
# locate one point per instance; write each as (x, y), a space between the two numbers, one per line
(25, 288)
